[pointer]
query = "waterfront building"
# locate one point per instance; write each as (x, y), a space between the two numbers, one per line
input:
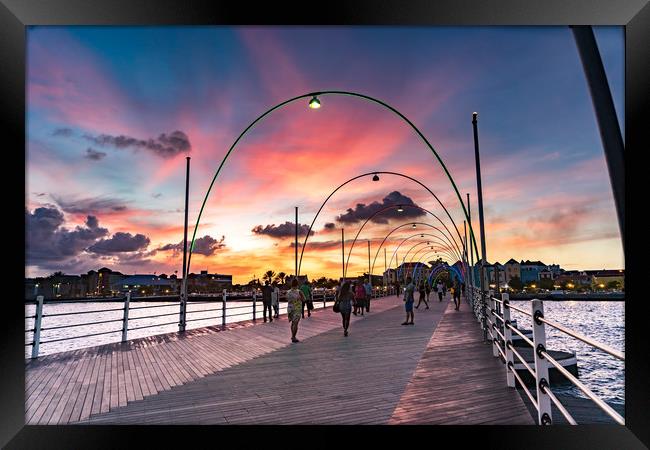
(205, 282)
(530, 270)
(512, 269)
(390, 276)
(546, 274)
(142, 284)
(604, 277)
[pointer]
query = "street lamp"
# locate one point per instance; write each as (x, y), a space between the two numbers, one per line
(314, 103)
(375, 178)
(400, 209)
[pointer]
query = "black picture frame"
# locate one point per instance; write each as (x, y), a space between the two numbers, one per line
(16, 15)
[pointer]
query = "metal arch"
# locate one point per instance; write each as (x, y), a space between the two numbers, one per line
(440, 242)
(386, 237)
(375, 173)
(442, 251)
(424, 254)
(330, 92)
(390, 263)
(347, 261)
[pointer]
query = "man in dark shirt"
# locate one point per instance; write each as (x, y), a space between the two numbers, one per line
(266, 299)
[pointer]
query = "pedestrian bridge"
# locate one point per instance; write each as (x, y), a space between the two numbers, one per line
(437, 372)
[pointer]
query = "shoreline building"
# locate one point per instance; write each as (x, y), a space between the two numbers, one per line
(530, 270)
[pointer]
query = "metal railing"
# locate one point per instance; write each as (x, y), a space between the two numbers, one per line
(500, 327)
(131, 323)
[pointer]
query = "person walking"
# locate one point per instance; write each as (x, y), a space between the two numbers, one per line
(423, 297)
(409, 300)
(457, 294)
(275, 299)
(427, 287)
(267, 293)
(345, 300)
(295, 298)
(306, 291)
(368, 287)
(440, 290)
(397, 288)
(360, 297)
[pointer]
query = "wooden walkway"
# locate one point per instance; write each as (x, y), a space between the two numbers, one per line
(72, 386)
(438, 371)
(458, 381)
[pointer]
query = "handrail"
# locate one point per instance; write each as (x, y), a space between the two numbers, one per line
(528, 341)
(521, 359)
(544, 392)
(604, 347)
(511, 306)
(250, 305)
(80, 324)
(604, 406)
(521, 383)
(83, 312)
(155, 315)
(77, 337)
(559, 405)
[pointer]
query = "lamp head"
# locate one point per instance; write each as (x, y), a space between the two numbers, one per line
(400, 209)
(314, 103)
(414, 226)
(375, 178)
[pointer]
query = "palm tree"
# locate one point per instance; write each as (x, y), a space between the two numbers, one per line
(269, 275)
(280, 277)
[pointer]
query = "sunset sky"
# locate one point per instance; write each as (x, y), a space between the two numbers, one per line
(113, 112)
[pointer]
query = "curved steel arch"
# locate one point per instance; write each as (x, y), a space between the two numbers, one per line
(443, 251)
(347, 261)
(304, 244)
(313, 94)
(438, 241)
(387, 236)
(390, 263)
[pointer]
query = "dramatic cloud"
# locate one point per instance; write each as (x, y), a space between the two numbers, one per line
(287, 229)
(65, 132)
(93, 154)
(95, 205)
(165, 145)
(120, 243)
(362, 212)
(47, 240)
(207, 246)
(329, 226)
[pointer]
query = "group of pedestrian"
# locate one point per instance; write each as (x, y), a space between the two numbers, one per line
(352, 299)
(271, 300)
(362, 294)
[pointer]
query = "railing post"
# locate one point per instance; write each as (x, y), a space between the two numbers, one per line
(541, 365)
(492, 314)
(324, 299)
(223, 309)
(483, 316)
(254, 305)
(507, 333)
(37, 325)
(125, 320)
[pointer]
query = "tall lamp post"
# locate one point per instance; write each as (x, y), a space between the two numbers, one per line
(183, 311)
(481, 221)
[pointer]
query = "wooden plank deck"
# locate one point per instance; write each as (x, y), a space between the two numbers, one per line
(458, 381)
(72, 386)
(325, 379)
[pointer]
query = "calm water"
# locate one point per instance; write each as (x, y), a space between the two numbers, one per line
(603, 321)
